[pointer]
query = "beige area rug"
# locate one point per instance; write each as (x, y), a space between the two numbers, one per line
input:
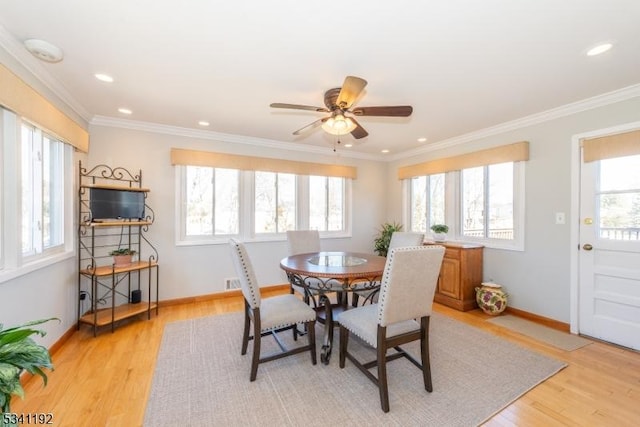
(202, 380)
(558, 339)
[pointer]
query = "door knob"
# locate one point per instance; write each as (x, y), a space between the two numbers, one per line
(587, 247)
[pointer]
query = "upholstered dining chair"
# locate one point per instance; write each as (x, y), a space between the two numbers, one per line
(408, 286)
(269, 315)
(402, 239)
(302, 242)
(399, 239)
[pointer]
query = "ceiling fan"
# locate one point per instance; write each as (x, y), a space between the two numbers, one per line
(339, 103)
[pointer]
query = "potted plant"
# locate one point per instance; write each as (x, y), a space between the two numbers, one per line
(383, 239)
(440, 232)
(18, 352)
(122, 256)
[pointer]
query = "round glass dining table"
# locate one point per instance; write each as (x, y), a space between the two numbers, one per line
(321, 273)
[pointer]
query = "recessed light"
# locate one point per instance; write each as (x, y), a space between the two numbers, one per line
(422, 139)
(601, 48)
(348, 145)
(385, 151)
(43, 50)
(125, 110)
(203, 123)
(104, 77)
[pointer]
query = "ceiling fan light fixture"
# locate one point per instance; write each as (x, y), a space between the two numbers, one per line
(338, 125)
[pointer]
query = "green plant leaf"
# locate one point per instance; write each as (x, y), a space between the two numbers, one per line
(381, 242)
(19, 352)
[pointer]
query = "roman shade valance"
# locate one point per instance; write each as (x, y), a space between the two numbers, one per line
(506, 153)
(22, 99)
(234, 161)
(607, 147)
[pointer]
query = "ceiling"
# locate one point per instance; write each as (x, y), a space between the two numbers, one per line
(464, 65)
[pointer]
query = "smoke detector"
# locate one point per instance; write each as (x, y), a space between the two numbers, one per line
(43, 50)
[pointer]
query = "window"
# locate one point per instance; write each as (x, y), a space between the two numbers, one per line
(326, 203)
(427, 201)
(487, 202)
(482, 204)
(211, 201)
(42, 201)
(618, 198)
(37, 197)
(216, 204)
(275, 202)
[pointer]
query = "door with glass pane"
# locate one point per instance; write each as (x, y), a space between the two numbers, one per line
(609, 252)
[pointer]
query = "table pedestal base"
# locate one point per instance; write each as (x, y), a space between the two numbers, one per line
(327, 313)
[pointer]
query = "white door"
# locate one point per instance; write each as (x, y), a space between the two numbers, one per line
(609, 252)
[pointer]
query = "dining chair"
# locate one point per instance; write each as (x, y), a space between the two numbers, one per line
(406, 295)
(302, 242)
(399, 239)
(269, 315)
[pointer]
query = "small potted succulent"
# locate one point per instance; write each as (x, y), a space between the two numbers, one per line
(440, 232)
(122, 256)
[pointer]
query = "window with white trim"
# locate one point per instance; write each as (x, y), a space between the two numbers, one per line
(327, 203)
(42, 182)
(211, 205)
(488, 202)
(427, 201)
(274, 202)
(483, 204)
(215, 204)
(36, 203)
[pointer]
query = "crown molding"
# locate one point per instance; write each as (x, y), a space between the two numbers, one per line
(602, 100)
(223, 137)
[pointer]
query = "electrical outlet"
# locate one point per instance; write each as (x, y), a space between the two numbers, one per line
(231, 283)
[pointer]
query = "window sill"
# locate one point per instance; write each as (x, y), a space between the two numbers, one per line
(494, 244)
(254, 239)
(8, 274)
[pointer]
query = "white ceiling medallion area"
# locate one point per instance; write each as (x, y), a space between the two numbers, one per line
(462, 77)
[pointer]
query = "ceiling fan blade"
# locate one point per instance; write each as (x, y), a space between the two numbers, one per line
(311, 126)
(359, 131)
(389, 111)
(351, 89)
(299, 107)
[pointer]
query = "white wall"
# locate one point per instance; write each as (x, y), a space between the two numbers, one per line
(537, 279)
(50, 291)
(199, 270)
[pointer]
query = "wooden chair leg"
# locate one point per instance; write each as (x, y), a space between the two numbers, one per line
(383, 386)
(245, 334)
(255, 360)
(344, 341)
(311, 332)
(424, 345)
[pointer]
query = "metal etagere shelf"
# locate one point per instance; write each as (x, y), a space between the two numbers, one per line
(115, 292)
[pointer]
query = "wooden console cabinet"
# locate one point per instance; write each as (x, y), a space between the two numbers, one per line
(460, 274)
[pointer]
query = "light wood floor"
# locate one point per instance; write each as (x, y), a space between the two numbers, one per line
(105, 381)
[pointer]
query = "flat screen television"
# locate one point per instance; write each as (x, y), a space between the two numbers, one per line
(107, 203)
